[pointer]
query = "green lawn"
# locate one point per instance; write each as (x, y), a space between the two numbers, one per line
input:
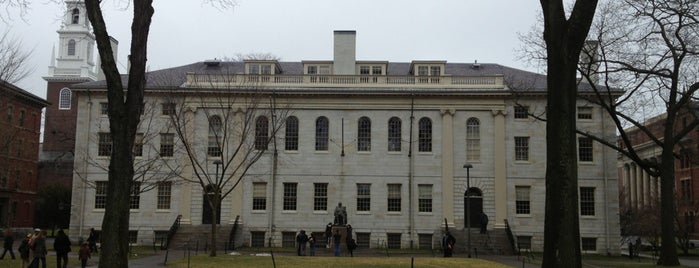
(204, 261)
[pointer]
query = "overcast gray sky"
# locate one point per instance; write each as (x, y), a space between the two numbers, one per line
(187, 31)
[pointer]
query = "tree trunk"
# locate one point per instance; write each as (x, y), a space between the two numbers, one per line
(124, 116)
(668, 248)
(564, 40)
(214, 202)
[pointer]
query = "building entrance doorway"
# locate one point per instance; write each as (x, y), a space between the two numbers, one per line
(209, 192)
(476, 206)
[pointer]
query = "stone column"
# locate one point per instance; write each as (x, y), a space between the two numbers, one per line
(500, 168)
(646, 189)
(632, 186)
(448, 164)
(186, 188)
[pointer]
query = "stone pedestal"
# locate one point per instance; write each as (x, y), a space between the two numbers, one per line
(343, 233)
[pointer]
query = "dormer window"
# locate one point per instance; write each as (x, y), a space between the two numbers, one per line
(76, 16)
(429, 70)
(318, 69)
(263, 69)
(370, 69)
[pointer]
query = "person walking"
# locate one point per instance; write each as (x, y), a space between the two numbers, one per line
(24, 250)
(301, 240)
(84, 254)
(337, 237)
(38, 244)
(7, 244)
(484, 222)
(62, 246)
(92, 240)
(328, 234)
(448, 244)
(312, 244)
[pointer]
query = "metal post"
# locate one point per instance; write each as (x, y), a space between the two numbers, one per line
(468, 167)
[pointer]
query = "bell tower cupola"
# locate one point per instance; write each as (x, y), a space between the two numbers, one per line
(75, 58)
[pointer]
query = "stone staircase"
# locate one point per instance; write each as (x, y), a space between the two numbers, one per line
(198, 237)
(492, 243)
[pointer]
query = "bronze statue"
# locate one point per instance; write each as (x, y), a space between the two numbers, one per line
(340, 215)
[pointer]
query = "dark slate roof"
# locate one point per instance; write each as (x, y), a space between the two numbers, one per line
(4, 85)
(515, 79)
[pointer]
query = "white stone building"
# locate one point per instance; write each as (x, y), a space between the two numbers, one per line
(387, 139)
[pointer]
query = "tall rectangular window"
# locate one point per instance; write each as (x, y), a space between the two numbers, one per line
(473, 139)
(259, 196)
(104, 108)
(289, 196)
(394, 197)
(168, 108)
(521, 148)
(424, 201)
(167, 144)
(394, 134)
(100, 194)
(104, 146)
(164, 194)
(521, 112)
(22, 114)
(364, 134)
(522, 201)
(585, 149)
(135, 201)
(425, 135)
(587, 201)
(322, 125)
(291, 139)
(363, 197)
(138, 145)
(320, 196)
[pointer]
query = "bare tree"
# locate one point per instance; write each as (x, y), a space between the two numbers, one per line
(124, 108)
(13, 8)
(650, 49)
(242, 120)
(14, 59)
(564, 36)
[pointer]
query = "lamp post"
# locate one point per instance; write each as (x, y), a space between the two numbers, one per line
(468, 167)
(217, 163)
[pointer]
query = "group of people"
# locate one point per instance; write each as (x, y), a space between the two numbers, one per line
(331, 238)
(34, 245)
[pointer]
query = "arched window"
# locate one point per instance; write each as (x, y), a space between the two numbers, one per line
(291, 141)
(215, 127)
(364, 134)
(322, 126)
(473, 139)
(71, 47)
(394, 133)
(425, 135)
(64, 98)
(261, 133)
(76, 16)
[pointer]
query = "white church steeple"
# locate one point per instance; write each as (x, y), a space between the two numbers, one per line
(75, 58)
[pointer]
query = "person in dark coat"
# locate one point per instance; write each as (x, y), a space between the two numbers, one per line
(484, 223)
(301, 240)
(337, 237)
(62, 246)
(328, 234)
(448, 242)
(312, 244)
(7, 244)
(92, 240)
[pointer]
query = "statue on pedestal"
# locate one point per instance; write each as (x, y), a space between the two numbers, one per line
(340, 215)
